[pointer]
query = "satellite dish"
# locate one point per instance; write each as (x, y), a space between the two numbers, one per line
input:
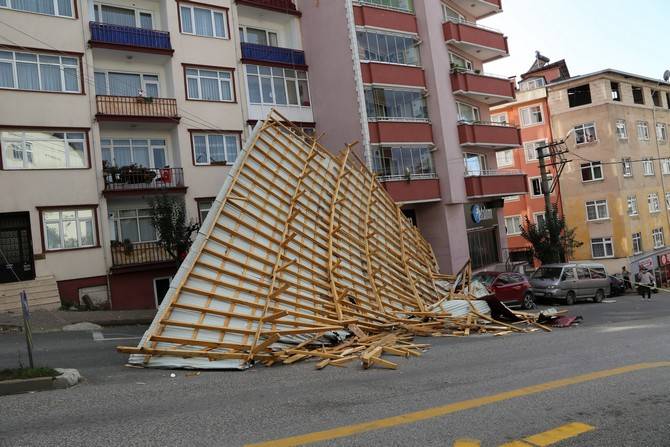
(666, 75)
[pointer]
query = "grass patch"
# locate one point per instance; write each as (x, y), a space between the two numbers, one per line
(27, 373)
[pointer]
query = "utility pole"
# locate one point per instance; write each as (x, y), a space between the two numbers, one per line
(555, 152)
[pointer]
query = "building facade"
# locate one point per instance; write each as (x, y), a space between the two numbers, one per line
(106, 105)
(615, 189)
(405, 80)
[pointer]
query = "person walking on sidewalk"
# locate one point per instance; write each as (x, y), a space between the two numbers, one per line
(646, 283)
(625, 275)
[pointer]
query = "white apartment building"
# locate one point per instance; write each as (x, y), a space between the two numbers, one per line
(104, 105)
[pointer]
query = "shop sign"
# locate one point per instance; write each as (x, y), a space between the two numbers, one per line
(480, 212)
(664, 259)
(646, 263)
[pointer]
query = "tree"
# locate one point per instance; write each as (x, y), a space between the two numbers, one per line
(168, 216)
(553, 241)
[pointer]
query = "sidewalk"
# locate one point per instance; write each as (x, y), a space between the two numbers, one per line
(54, 320)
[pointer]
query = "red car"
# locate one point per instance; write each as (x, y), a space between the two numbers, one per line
(511, 288)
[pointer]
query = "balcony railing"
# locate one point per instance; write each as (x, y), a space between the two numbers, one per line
(492, 172)
(495, 183)
(137, 253)
(128, 36)
(120, 108)
(286, 6)
(490, 89)
(480, 42)
(266, 53)
(488, 134)
(137, 178)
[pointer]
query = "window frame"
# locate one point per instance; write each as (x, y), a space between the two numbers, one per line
(24, 130)
(591, 167)
(387, 158)
(536, 220)
(652, 198)
(587, 95)
(230, 70)
(509, 161)
(596, 206)
(645, 134)
(81, 90)
(60, 209)
(521, 115)
(116, 219)
(150, 148)
(633, 89)
(378, 4)
(661, 137)
(387, 33)
(225, 133)
(286, 79)
(583, 127)
(637, 243)
(516, 233)
(211, 8)
(200, 201)
(469, 66)
(73, 5)
(137, 13)
(605, 241)
(243, 36)
(655, 233)
(631, 205)
(625, 130)
(143, 81)
(494, 118)
(648, 163)
(526, 146)
(550, 178)
(627, 167)
(474, 109)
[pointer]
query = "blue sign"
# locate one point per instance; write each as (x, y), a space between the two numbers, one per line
(476, 212)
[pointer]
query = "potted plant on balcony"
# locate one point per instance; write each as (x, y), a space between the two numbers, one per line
(110, 172)
(133, 174)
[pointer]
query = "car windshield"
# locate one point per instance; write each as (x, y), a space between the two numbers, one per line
(547, 273)
(484, 278)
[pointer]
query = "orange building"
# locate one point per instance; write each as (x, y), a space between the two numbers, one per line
(531, 114)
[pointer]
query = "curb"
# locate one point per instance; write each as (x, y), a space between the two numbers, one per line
(67, 379)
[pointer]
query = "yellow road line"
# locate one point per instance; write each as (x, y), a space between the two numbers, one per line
(408, 418)
(467, 443)
(558, 434)
(516, 444)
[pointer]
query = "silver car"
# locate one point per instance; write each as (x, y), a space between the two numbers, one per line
(571, 282)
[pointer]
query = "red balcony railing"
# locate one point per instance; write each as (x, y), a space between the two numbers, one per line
(495, 183)
(482, 43)
(138, 178)
(482, 87)
(136, 253)
(285, 6)
(487, 134)
(136, 108)
(414, 188)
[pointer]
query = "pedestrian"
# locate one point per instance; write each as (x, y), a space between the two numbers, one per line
(646, 283)
(625, 274)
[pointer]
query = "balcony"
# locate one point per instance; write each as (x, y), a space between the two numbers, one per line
(105, 35)
(479, 8)
(497, 136)
(252, 52)
(129, 180)
(495, 183)
(484, 44)
(127, 254)
(285, 6)
(486, 88)
(412, 189)
(136, 108)
(399, 131)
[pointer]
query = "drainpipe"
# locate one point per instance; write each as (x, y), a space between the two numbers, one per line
(660, 162)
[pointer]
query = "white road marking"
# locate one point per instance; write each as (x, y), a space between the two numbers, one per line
(99, 336)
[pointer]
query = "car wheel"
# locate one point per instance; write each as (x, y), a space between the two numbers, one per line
(570, 298)
(528, 301)
(599, 296)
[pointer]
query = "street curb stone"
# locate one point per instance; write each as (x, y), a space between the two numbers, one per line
(68, 378)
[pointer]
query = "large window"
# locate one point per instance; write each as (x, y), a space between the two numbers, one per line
(277, 86)
(403, 5)
(531, 84)
(126, 84)
(530, 149)
(597, 210)
(665, 166)
(383, 47)
(459, 62)
(61, 8)
(203, 22)
(209, 85)
(638, 95)
(204, 205)
(661, 132)
(505, 158)
(585, 133)
(258, 36)
(68, 229)
(41, 72)
(632, 206)
(388, 161)
(579, 96)
(592, 171)
(531, 116)
(602, 247)
(642, 131)
(451, 15)
(27, 149)
(648, 166)
(146, 152)
(637, 243)
(657, 236)
(654, 204)
(536, 185)
(627, 167)
(475, 164)
(133, 225)
(215, 148)
(388, 104)
(116, 15)
(621, 132)
(513, 225)
(467, 113)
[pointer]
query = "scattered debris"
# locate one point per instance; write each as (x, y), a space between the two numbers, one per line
(83, 326)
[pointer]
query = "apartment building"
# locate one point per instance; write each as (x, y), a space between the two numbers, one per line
(106, 105)
(405, 80)
(615, 189)
(531, 113)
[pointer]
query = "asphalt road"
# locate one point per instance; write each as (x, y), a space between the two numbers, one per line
(614, 373)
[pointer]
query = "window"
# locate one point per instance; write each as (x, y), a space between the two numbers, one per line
(209, 85)
(40, 72)
(638, 96)
(150, 153)
(513, 225)
(531, 84)
(161, 288)
(540, 219)
(403, 5)
(133, 225)
(632, 206)
(536, 185)
(511, 198)
(585, 133)
(667, 99)
(126, 84)
(530, 148)
(579, 96)
(654, 204)
(467, 113)
(642, 131)
(602, 247)
(667, 200)
(215, 148)
(203, 22)
(531, 116)
(656, 98)
(61, 8)
(475, 164)
(616, 93)
(116, 15)
(389, 161)
(505, 158)
(665, 166)
(592, 171)
(451, 15)
(661, 132)
(627, 167)
(648, 166)
(258, 36)
(68, 228)
(657, 236)
(204, 206)
(597, 210)
(583, 273)
(621, 132)
(637, 243)
(277, 86)
(499, 118)
(388, 104)
(459, 63)
(384, 47)
(27, 149)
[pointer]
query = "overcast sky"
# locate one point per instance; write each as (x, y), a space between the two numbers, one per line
(591, 35)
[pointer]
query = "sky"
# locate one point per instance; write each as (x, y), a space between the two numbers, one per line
(590, 35)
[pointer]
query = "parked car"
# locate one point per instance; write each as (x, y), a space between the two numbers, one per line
(617, 285)
(511, 288)
(571, 282)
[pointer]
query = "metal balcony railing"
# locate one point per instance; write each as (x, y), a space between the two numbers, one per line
(137, 106)
(136, 253)
(129, 178)
(492, 172)
(267, 53)
(129, 36)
